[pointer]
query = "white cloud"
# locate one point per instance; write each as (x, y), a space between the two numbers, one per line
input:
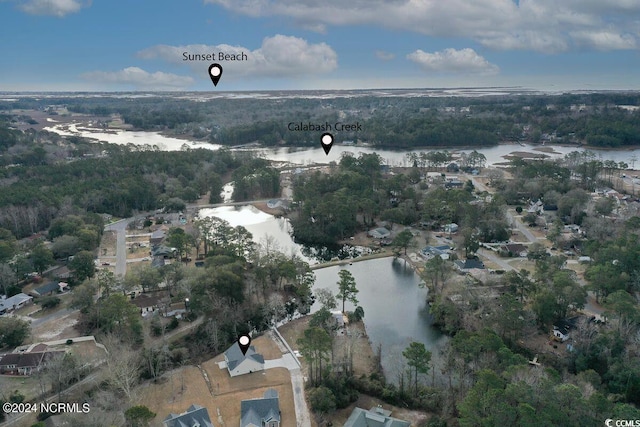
(57, 8)
(140, 79)
(548, 26)
(279, 56)
(384, 56)
(465, 61)
(605, 40)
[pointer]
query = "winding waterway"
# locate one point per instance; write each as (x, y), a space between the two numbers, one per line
(306, 155)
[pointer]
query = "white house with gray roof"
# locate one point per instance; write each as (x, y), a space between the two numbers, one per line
(263, 412)
(15, 302)
(240, 364)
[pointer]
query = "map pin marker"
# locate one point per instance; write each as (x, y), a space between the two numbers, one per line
(244, 342)
(327, 142)
(215, 72)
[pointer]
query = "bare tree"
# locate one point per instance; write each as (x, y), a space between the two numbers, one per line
(106, 410)
(156, 360)
(60, 370)
(123, 365)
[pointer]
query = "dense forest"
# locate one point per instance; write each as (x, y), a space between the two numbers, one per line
(596, 119)
(77, 176)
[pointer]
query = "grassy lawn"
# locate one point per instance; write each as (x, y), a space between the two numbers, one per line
(27, 386)
(185, 386)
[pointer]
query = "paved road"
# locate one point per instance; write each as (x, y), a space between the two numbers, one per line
(120, 227)
(53, 316)
(488, 254)
(522, 228)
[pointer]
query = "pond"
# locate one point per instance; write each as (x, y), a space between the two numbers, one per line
(395, 307)
(261, 225)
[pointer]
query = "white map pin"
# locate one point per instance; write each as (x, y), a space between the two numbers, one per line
(327, 142)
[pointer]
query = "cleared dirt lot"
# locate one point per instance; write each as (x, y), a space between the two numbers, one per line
(186, 386)
(58, 329)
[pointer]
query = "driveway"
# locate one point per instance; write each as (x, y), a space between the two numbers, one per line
(289, 361)
(286, 361)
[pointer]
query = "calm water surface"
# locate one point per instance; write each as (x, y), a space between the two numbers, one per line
(395, 307)
(306, 156)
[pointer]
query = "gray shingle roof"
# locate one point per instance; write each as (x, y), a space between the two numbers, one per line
(258, 412)
(363, 418)
(468, 264)
(10, 302)
(49, 287)
(234, 356)
(195, 415)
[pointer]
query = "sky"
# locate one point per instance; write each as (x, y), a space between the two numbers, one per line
(118, 45)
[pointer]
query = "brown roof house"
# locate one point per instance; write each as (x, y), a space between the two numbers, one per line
(150, 303)
(25, 363)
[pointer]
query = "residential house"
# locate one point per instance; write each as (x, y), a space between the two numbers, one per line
(536, 208)
(157, 237)
(442, 251)
(240, 364)
(48, 289)
(375, 417)
(453, 182)
(469, 264)
(451, 228)
(63, 273)
(262, 412)
(24, 363)
(163, 252)
(195, 416)
(15, 302)
(379, 233)
(149, 303)
(562, 328)
(453, 167)
(514, 249)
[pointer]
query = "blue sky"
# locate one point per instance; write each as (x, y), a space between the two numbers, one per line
(100, 45)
